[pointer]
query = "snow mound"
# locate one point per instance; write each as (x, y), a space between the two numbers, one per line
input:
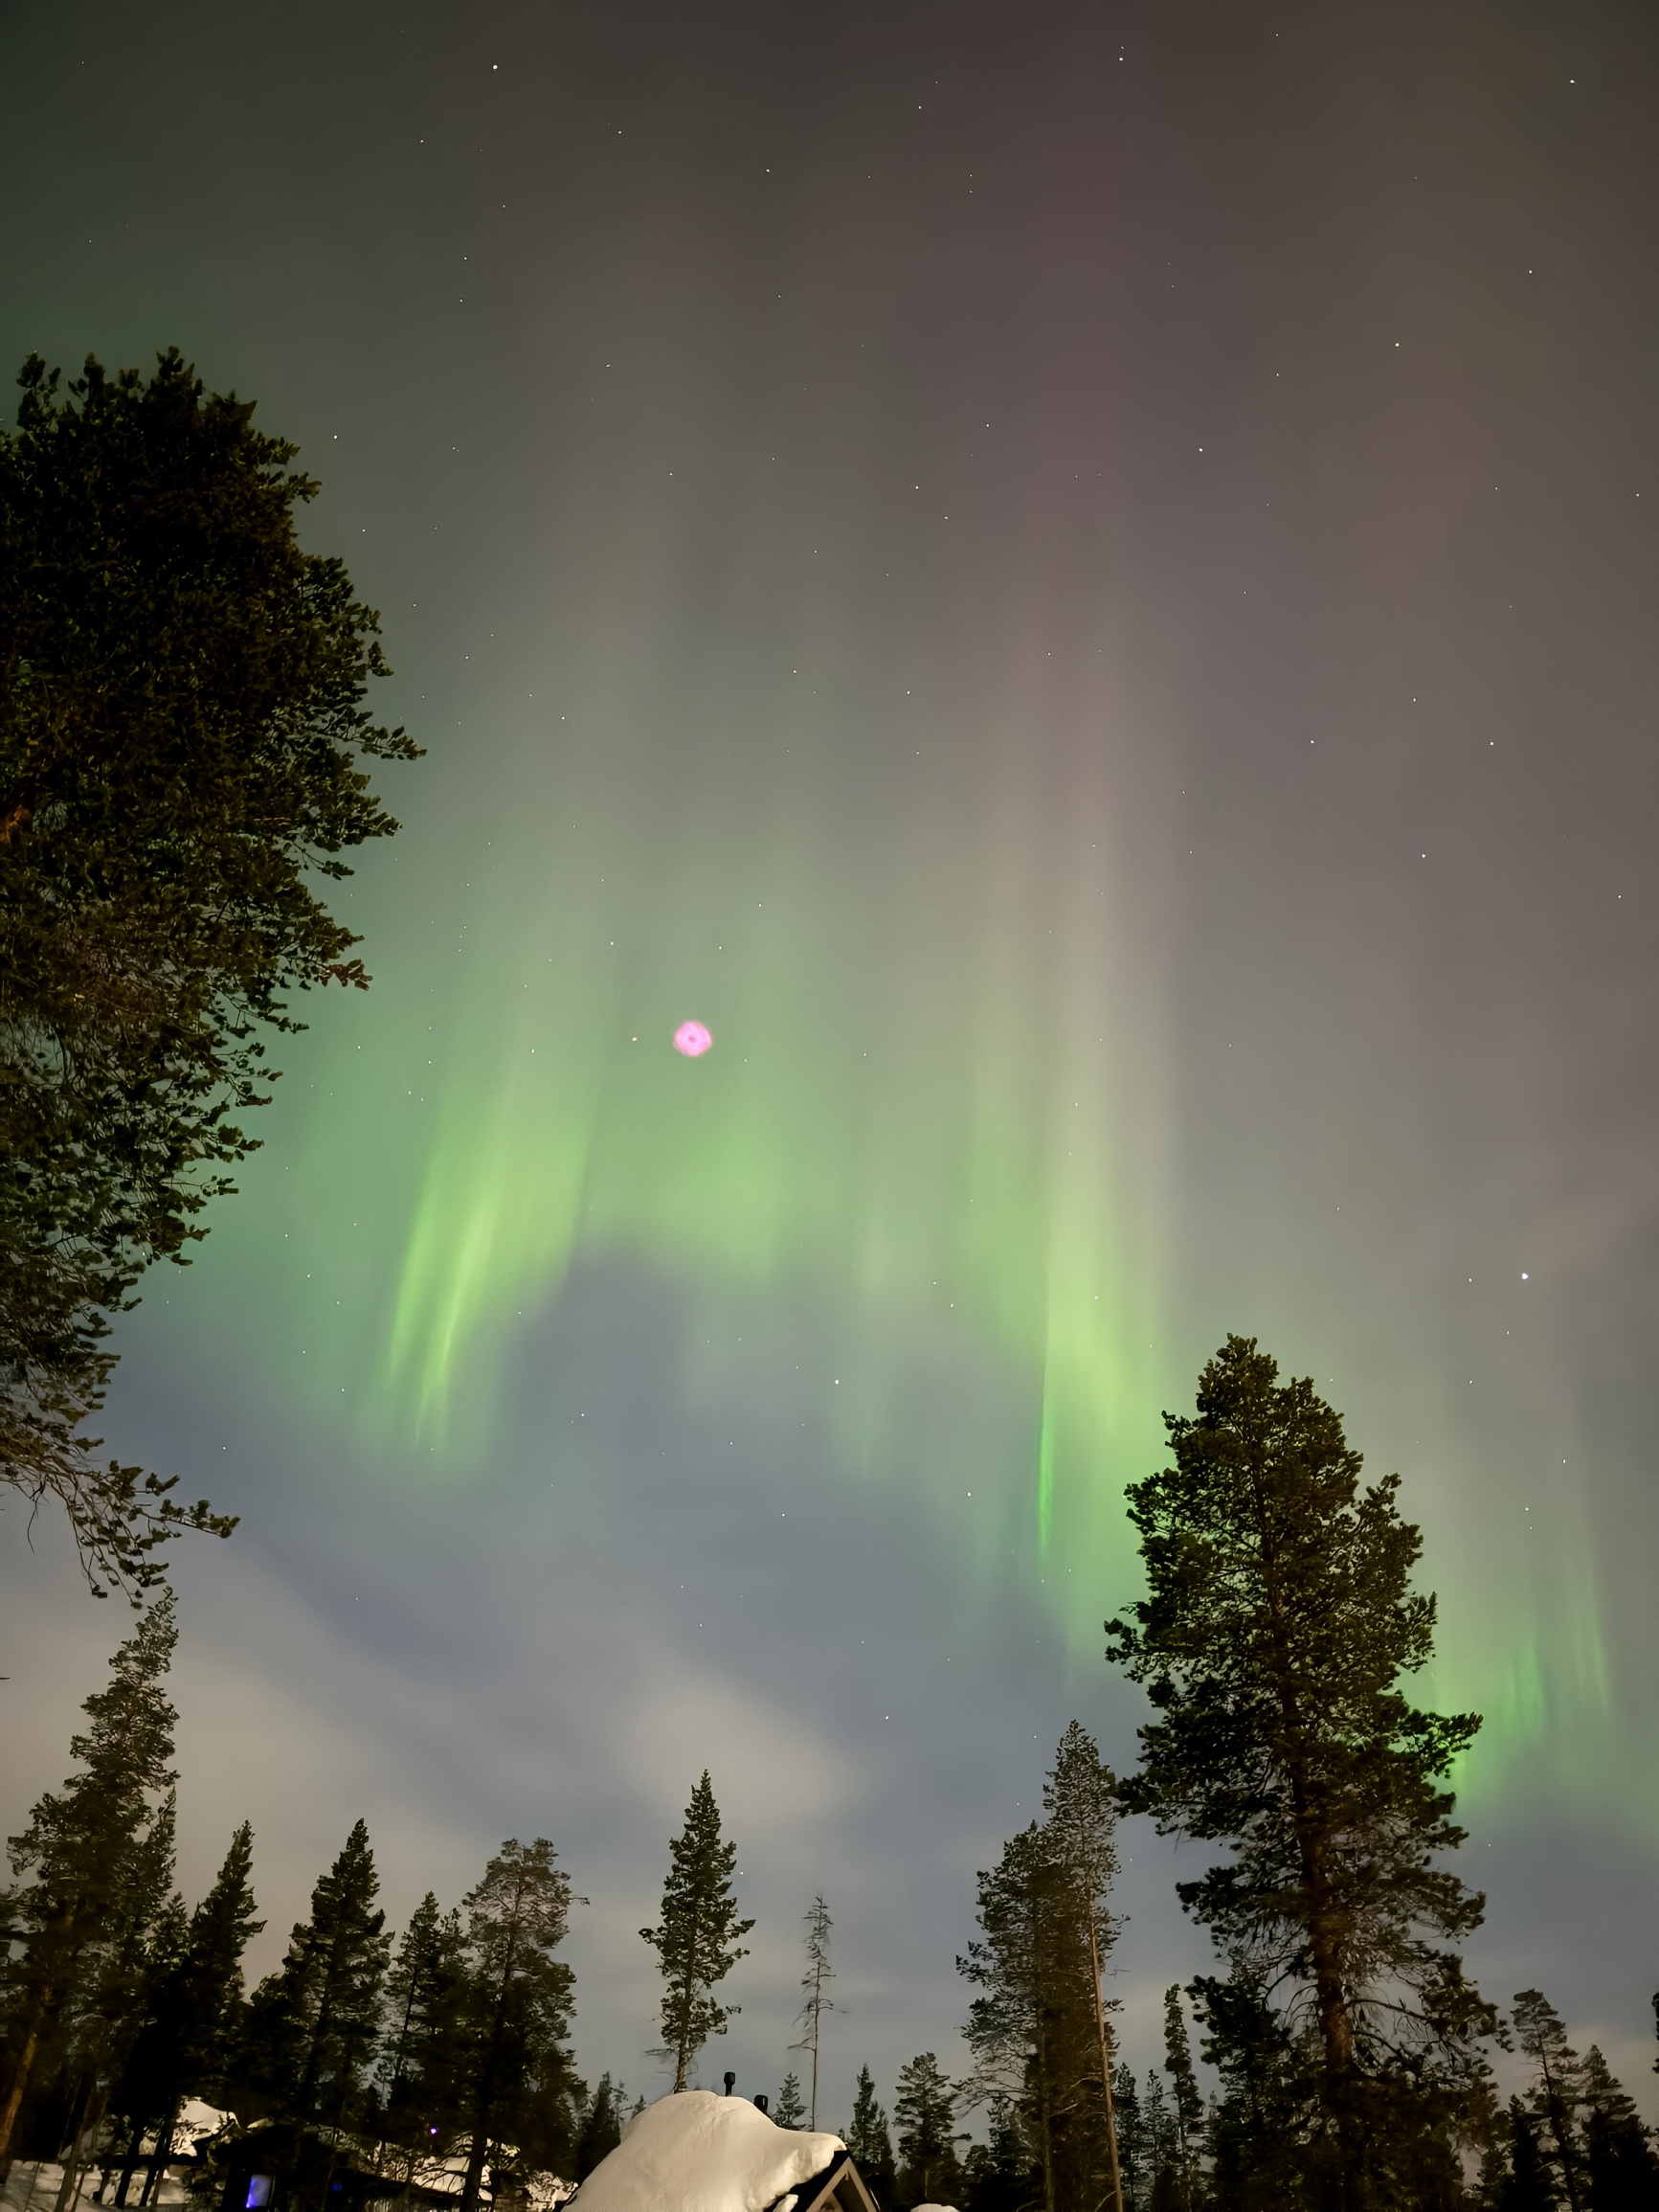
(700, 2153)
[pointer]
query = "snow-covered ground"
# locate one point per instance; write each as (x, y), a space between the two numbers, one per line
(700, 2153)
(32, 2187)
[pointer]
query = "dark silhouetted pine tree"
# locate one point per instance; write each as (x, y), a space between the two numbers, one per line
(520, 2084)
(1557, 2093)
(789, 2105)
(312, 2028)
(183, 743)
(422, 2055)
(1186, 2102)
(997, 2173)
(870, 2143)
(95, 1872)
(1260, 2126)
(602, 2128)
(1529, 2186)
(923, 2122)
(698, 1940)
(1038, 2028)
(1080, 1798)
(1619, 2163)
(186, 2042)
(1131, 2137)
(1278, 1624)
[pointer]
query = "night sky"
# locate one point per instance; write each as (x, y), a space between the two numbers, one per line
(1078, 582)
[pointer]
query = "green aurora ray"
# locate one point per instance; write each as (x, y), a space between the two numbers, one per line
(922, 899)
(935, 1111)
(915, 1103)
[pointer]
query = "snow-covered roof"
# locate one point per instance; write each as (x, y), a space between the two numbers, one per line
(196, 2119)
(700, 2153)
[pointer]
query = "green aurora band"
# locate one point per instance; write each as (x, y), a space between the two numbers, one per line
(913, 1105)
(933, 1112)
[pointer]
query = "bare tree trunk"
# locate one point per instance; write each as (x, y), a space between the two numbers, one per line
(129, 2164)
(1105, 2062)
(91, 2119)
(164, 2151)
(14, 2089)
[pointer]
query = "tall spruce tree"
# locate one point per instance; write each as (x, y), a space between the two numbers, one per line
(814, 1984)
(108, 2019)
(997, 2173)
(1259, 2128)
(1186, 2100)
(192, 2013)
(1529, 2186)
(141, 2090)
(1160, 2146)
(1278, 1623)
(1620, 2168)
(788, 2107)
(1038, 2029)
(924, 2117)
(421, 2057)
(602, 2128)
(313, 2026)
(90, 1868)
(698, 1940)
(182, 745)
(869, 2142)
(1557, 2093)
(519, 2075)
(1080, 1799)
(1134, 2161)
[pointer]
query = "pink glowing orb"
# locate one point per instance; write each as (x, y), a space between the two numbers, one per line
(692, 1040)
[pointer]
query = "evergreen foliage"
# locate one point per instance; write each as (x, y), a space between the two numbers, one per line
(924, 2117)
(1260, 2130)
(788, 2107)
(1080, 1798)
(1526, 2186)
(997, 2175)
(698, 1940)
(421, 2061)
(182, 728)
(1186, 2103)
(519, 2081)
(1578, 2143)
(601, 2127)
(312, 2028)
(1159, 2161)
(867, 2138)
(1038, 2028)
(1619, 2164)
(95, 1869)
(1278, 1623)
(1557, 2093)
(191, 2013)
(1132, 2159)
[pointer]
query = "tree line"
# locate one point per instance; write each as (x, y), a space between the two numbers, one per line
(370, 2058)
(1353, 2060)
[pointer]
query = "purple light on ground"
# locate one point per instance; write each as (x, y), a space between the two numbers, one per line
(693, 1039)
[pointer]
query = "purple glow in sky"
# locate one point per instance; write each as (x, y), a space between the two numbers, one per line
(693, 1039)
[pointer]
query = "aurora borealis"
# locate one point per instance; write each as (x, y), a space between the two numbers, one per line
(1076, 585)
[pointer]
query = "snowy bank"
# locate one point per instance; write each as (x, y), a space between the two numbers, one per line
(700, 2153)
